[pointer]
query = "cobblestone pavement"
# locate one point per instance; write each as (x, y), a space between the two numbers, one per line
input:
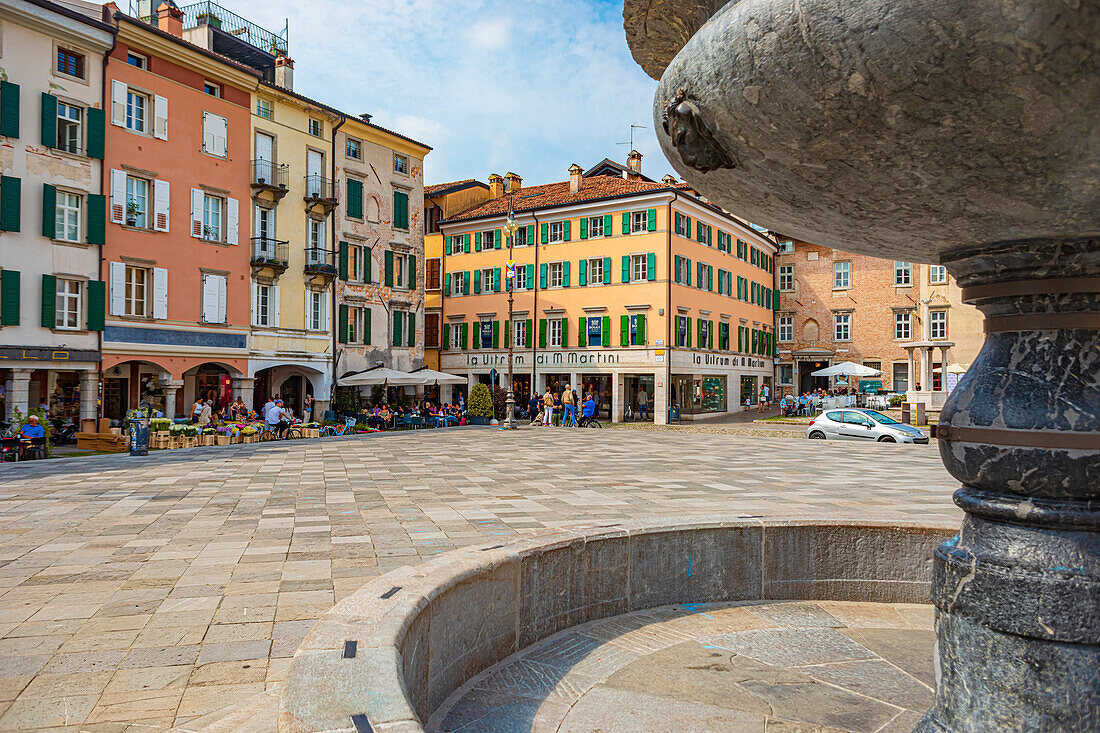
(139, 593)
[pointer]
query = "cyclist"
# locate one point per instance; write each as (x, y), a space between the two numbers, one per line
(588, 410)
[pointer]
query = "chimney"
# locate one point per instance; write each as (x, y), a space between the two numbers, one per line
(669, 180)
(575, 178)
(170, 19)
(634, 163)
(496, 186)
(514, 182)
(284, 72)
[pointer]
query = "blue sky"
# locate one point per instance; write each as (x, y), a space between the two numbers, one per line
(529, 86)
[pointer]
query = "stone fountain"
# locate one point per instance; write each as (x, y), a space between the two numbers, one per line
(965, 134)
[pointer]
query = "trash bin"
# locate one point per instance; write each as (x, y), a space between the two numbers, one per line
(139, 436)
(673, 414)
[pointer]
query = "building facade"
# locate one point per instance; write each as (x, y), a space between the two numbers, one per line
(903, 318)
(623, 286)
(52, 214)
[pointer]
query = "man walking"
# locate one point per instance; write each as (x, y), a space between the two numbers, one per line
(568, 399)
(643, 404)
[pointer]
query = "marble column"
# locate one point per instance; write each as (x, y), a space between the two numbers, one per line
(19, 394)
(89, 395)
(618, 392)
(661, 390)
(171, 391)
(910, 373)
(943, 368)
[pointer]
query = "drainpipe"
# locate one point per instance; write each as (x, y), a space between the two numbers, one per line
(103, 190)
(334, 318)
(535, 308)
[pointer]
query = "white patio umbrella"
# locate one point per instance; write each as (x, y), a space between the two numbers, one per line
(847, 369)
(380, 375)
(954, 368)
(435, 378)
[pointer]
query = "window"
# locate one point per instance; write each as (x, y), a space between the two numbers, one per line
(265, 227)
(786, 277)
(70, 63)
(356, 326)
(399, 270)
(137, 202)
(842, 326)
(353, 148)
(212, 89)
(137, 111)
(786, 373)
(594, 327)
(316, 238)
(316, 128)
(557, 232)
(638, 269)
(519, 333)
(595, 271)
(903, 273)
(265, 109)
(937, 325)
(136, 60)
(873, 365)
(487, 280)
(67, 218)
(456, 335)
(553, 333)
(554, 275)
(215, 134)
(265, 305)
(639, 221)
(432, 277)
(786, 246)
(136, 295)
(400, 163)
(431, 330)
(520, 280)
(937, 275)
(521, 237)
(67, 311)
(355, 263)
(315, 316)
(484, 334)
(842, 274)
(68, 127)
(595, 226)
(901, 377)
(786, 328)
(488, 239)
(213, 209)
(903, 326)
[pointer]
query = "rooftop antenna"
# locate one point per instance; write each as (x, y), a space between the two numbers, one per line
(632, 129)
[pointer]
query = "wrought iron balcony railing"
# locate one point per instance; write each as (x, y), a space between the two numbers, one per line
(319, 188)
(320, 261)
(270, 252)
(269, 174)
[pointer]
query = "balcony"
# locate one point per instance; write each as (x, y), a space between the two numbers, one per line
(320, 265)
(269, 254)
(269, 179)
(320, 194)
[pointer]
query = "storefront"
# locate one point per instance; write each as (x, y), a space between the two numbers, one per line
(64, 381)
(635, 385)
(599, 385)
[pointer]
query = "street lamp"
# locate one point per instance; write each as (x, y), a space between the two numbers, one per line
(511, 226)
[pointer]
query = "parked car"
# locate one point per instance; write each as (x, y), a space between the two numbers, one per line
(859, 424)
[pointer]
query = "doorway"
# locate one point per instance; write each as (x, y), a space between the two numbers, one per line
(806, 381)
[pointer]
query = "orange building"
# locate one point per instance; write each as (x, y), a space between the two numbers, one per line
(636, 290)
(176, 261)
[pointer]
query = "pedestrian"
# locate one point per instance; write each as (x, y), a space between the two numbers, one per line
(643, 404)
(533, 406)
(569, 402)
(196, 410)
(206, 413)
(748, 403)
(548, 407)
(307, 408)
(763, 398)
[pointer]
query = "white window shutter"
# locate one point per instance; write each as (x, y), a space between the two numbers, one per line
(232, 219)
(160, 117)
(118, 196)
(327, 312)
(161, 205)
(118, 103)
(160, 292)
(221, 136)
(118, 288)
(275, 306)
(197, 198)
(223, 287)
(207, 134)
(255, 313)
(308, 310)
(209, 299)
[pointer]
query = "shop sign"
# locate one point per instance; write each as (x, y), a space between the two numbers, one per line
(595, 326)
(15, 353)
(634, 325)
(487, 332)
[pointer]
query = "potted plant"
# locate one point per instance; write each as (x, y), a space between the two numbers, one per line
(208, 19)
(133, 209)
(479, 408)
(207, 436)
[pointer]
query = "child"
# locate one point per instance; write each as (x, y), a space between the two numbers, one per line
(748, 404)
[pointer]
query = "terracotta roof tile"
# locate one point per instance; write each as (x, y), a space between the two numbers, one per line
(437, 188)
(558, 194)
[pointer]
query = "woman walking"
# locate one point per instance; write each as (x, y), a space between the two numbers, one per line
(548, 407)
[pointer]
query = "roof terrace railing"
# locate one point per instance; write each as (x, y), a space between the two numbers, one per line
(210, 13)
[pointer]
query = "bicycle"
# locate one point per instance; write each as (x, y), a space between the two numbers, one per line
(628, 414)
(331, 431)
(588, 422)
(291, 433)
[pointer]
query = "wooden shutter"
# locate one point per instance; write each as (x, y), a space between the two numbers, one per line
(624, 330)
(118, 103)
(210, 299)
(368, 264)
(355, 198)
(527, 334)
(49, 212)
(9, 109)
(582, 332)
(626, 268)
(651, 266)
(162, 201)
(564, 332)
(530, 234)
(710, 334)
(49, 122)
(367, 327)
(232, 221)
(412, 272)
(389, 268)
(542, 276)
(700, 275)
(565, 274)
(582, 272)
(496, 279)
(118, 288)
(96, 125)
(342, 260)
(530, 277)
(608, 222)
(9, 298)
(49, 301)
(447, 283)
(775, 300)
(606, 270)
(584, 228)
(687, 271)
(496, 335)
(687, 332)
(466, 241)
(412, 330)
(97, 218)
(160, 293)
(542, 333)
(447, 245)
(651, 220)
(342, 324)
(9, 203)
(545, 233)
(160, 125)
(640, 329)
(446, 342)
(687, 227)
(565, 235)
(197, 198)
(626, 222)
(118, 196)
(97, 301)
(465, 331)
(679, 268)
(477, 281)
(710, 277)
(477, 241)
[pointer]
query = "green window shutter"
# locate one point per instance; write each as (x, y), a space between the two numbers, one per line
(477, 281)
(49, 301)
(49, 211)
(584, 227)
(530, 234)
(710, 234)
(626, 222)
(678, 268)
(465, 331)
(412, 330)
(527, 335)
(678, 222)
(687, 227)
(466, 242)
(506, 341)
(447, 283)
(739, 287)
(699, 278)
(651, 220)
(607, 223)
(9, 109)
(389, 268)
(477, 241)
(542, 276)
(49, 121)
(565, 274)
(9, 298)
(710, 277)
(342, 325)
(710, 334)
(398, 319)
(366, 325)
(343, 261)
(582, 332)
(355, 198)
(640, 328)
(97, 304)
(688, 332)
(626, 268)
(775, 300)
(687, 271)
(582, 271)
(565, 235)
(368, 264)
(624, 330)
(446, 336)
(605, 332)
(466, 283)
(700, 337)
(545, 233)
(446, 245)
(412, 272)
(400, 209)
(651, 266)
(97, 218)
(542, 333)
(496, 279)
(530, 277)
(564, 332)
(9, 204)
(96, 128)
(606, 270)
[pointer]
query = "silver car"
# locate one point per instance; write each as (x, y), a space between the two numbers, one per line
(851, 423)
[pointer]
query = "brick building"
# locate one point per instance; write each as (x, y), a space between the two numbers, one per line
(836, 306)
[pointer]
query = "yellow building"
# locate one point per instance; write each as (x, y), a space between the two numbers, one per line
(636, 290)
(441, 201)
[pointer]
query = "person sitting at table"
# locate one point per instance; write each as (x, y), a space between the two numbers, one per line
(31, 429)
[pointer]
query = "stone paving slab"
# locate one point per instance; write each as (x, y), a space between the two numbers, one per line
(142, 593)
